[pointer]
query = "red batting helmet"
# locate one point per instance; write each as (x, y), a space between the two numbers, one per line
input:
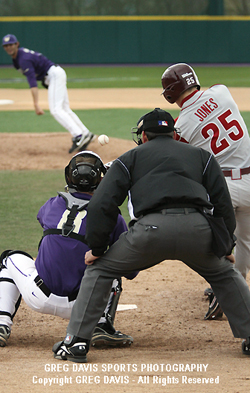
(176, 79)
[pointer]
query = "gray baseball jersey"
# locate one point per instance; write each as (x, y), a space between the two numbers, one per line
(211, 119)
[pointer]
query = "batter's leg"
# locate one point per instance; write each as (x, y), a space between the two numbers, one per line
(239, 191)
(242, 251)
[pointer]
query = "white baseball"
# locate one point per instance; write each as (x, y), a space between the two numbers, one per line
(103, 139)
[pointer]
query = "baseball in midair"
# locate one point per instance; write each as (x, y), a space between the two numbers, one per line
(103, 139)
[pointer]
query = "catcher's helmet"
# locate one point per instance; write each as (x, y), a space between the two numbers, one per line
(176, 79)
(84, 171)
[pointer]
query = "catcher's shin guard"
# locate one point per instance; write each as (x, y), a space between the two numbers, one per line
(214, 309)
(246, 346)
(10, 297)
(105, 333)
(113, 300)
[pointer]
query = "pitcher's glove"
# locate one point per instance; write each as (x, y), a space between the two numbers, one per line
(214, 309)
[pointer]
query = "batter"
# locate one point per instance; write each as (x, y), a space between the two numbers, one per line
(211, 119)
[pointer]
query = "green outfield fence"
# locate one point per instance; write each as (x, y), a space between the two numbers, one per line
(132, 40)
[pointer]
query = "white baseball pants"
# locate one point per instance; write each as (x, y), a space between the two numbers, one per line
(240, 195)
(21, 269)
(59, 102)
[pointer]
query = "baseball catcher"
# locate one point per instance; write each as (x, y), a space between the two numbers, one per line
(50, 284)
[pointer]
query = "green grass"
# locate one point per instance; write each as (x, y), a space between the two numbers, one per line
(21, 195)
(133, 76)
(116, 123)
(112, 122)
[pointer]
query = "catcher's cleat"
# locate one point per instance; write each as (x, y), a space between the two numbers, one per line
(246, 346)
(214, 309)
(72, 348)
(4, 335)
(105, 336)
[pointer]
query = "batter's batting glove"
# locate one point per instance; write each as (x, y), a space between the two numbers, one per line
(214, 309)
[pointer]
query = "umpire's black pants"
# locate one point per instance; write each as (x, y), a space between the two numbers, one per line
(179, 234)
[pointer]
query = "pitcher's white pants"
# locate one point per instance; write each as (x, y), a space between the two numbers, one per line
(59, 102)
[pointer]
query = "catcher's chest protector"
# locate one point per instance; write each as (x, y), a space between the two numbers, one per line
(74, 205)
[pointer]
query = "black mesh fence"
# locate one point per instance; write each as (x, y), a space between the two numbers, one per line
(123, 7)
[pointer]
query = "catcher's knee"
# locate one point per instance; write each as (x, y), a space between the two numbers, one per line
(8, 253)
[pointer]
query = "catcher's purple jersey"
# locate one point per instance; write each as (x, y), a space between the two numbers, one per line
(60, 260)
(32, 64)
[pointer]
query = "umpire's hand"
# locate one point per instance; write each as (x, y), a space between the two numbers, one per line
(90, 258)
(231, 258)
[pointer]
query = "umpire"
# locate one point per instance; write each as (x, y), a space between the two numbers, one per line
(170, 185)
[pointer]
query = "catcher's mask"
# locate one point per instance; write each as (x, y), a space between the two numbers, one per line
(176, 79)
(157, 122)
(84, 172)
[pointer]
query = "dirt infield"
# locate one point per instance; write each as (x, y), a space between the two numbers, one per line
(174, 349)
(108, 98)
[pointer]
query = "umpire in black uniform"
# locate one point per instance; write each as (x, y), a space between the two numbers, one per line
(170, 184)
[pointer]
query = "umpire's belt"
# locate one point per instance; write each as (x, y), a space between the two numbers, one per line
(236, 174)
(39, 282)
(178, 210)
(172, 210)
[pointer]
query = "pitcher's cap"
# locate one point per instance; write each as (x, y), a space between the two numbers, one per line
(9, 39)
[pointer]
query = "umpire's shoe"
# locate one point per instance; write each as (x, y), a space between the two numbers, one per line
(4, 335)
(106, 335)
(73, 348)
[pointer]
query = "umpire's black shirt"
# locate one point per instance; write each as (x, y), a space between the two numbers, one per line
(159, 174)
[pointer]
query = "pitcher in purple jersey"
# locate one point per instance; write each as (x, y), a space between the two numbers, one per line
(50, 284)
(37, 67)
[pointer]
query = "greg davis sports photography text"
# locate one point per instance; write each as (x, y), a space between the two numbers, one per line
(107, 373)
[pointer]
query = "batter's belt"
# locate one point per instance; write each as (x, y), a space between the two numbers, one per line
(236, 173)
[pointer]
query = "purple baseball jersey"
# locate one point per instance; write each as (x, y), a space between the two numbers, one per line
(32, 64)
(60, 260)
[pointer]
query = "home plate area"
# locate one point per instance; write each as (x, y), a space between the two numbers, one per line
(124, 307)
